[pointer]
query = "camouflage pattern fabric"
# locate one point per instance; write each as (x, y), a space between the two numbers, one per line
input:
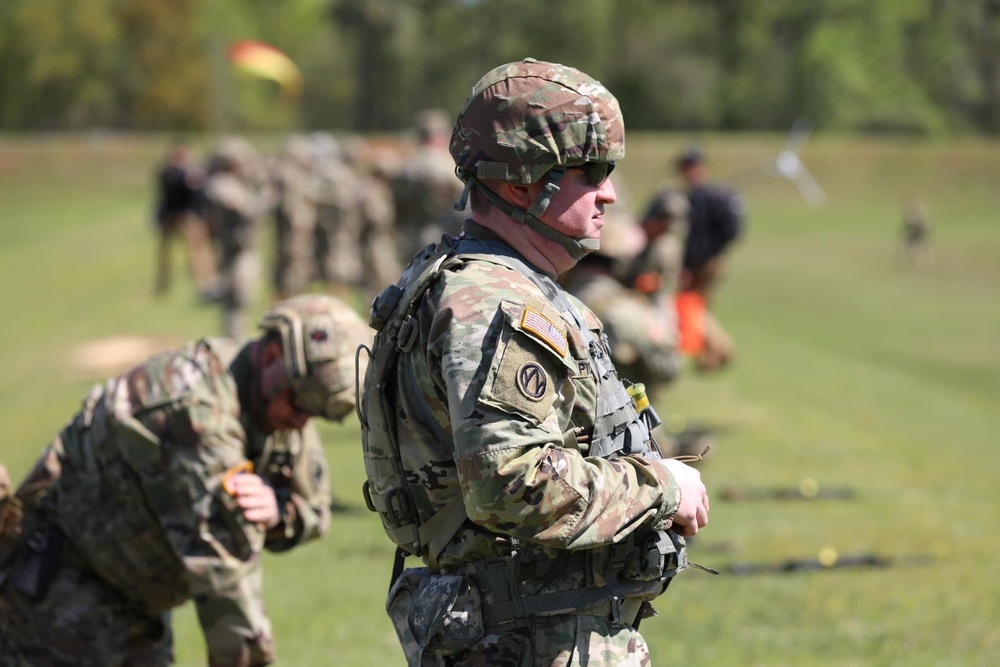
(425, 191)
(133, 489)
(496, 401)
(556, 641)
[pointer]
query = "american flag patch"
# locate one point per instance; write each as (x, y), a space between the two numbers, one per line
(542, 327)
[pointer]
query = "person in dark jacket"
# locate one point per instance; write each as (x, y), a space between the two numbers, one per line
(180, 210)
(716, 219)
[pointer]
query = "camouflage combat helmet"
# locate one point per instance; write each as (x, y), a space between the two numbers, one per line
(233, 152)
(319, 336)
(531, 120)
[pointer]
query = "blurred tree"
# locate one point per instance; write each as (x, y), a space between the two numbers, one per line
(167, 82)
(371, 26)
(977, 24)
(919, 66)
(64, 59)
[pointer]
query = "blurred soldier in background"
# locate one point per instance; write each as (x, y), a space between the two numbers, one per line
(166, 486)
(426, 187)
(641, 327)
(180, 210)
(657, 269)
(500, 444)
(716, 219)
(338, 225)
(377, 211)
(916, 232)
(238, 195)
(295, 217)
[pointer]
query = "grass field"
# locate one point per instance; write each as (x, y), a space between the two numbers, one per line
(853, 369)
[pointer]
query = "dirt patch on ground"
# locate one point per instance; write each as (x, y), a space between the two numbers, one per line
(117, 354)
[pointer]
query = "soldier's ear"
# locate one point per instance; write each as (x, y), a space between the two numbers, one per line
(519, 196)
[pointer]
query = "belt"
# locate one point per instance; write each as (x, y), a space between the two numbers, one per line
(502, 603)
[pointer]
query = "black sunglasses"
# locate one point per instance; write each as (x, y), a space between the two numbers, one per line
(597, 172)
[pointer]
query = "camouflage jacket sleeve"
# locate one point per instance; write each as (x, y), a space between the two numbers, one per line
(511, 398)
(302, 487)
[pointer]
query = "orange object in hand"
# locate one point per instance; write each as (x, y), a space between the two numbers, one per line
(238, 469)
(691, 322)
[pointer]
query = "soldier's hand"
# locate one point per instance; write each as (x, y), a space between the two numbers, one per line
(257, 500)
(4, 482)
(692, 515)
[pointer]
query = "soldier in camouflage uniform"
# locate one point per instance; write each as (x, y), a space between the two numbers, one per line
(295, 217)
(338, 225)
(500, 445)
(238, 195)
(166, 486)
(426, 188)
(657, 269)
(641, 328)
(377, 211)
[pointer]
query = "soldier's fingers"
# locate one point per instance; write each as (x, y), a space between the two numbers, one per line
(702, 517)
(688, 530)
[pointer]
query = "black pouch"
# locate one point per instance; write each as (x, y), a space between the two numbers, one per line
(657, 555)
(446, 616)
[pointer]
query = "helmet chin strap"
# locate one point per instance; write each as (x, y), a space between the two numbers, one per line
(577, 248)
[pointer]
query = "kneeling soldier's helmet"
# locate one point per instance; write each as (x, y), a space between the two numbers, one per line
(319, 336)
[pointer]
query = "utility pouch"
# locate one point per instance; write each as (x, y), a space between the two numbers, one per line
(398, 605)
(446, 616)
(657, 555)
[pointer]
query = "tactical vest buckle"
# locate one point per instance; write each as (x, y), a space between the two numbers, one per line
(366, 492)
(398, 506)
(407, 334)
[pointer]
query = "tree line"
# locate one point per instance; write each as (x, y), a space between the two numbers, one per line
(895, 66)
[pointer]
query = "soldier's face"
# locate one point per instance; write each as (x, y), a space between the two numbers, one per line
(279, 410)
(577, 210)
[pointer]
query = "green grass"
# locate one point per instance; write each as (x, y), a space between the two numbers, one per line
(853, 369)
